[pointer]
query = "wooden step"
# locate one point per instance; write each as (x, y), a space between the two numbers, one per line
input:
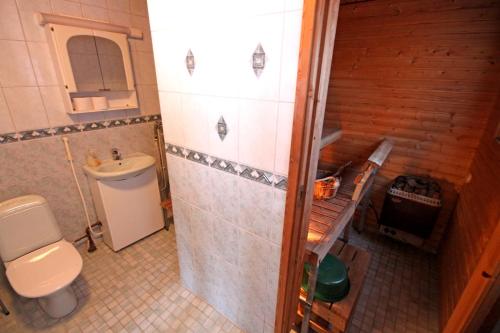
(330, 135)
(335, 317)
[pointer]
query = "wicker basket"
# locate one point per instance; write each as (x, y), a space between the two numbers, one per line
(326, 188)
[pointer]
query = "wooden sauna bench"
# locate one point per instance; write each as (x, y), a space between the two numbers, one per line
(328, 219)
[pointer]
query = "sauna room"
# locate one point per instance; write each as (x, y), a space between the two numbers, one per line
(405, 201)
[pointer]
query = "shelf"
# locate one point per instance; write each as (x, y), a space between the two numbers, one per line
(116, 108)
(330, 135)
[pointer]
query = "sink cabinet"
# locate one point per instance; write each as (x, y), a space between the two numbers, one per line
(129, 208)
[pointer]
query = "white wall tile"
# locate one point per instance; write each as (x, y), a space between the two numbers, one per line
(142, 23)
(202, 235)
(10, 24)
(120, 18)
(31, 63)
(172, 116)
(226, 240)
(145, 70)
(227, 108)
(195, 122)
(177, 177)
(225, 196)
(275, 226)
(43, 64)
(257, 133)
(121, 5)
(253, 254)
(256, 207)
(247, 217)
(228, 289)
(290, 55)
(26, 107)
(6, 124)
(218, 60)
(294, 5)
(98, 3)
(198, 182)
(283, 137)
(169, 61)
(272, 279)
(18, 70)
(34, 5)
(186, 260)
(259, 7)
(32, 30)
(53, 100)
(166, 14)
(95, 13)
(66, 7)
(268, 31)
(139, 7)
(182, 212)
(148, 99)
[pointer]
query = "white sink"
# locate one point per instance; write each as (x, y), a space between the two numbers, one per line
(127, 167)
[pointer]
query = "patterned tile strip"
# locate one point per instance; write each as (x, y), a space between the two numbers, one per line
(75, 128)
(245, 171)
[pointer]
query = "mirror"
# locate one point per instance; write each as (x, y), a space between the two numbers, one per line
(96, 63)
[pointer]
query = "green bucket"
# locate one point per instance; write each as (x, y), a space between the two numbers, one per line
(332, 284)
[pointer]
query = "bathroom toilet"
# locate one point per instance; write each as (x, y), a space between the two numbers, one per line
(39, 262)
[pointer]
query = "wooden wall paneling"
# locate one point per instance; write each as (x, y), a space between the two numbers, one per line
(473, 237)
(424, 74)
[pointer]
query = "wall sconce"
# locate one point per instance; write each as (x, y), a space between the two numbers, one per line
(190, 62)
(258, 60)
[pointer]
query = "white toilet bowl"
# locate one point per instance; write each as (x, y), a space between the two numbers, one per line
(39, 262)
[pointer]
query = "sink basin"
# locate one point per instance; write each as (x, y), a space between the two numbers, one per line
(127, 167)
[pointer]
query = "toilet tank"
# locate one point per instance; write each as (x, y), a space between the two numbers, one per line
(26, 224)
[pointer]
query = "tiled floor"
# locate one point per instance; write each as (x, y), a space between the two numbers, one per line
(401, 289)
(138, 289)
(134, 290)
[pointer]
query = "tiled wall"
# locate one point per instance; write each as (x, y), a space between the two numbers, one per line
(40, 167)
(228, 194)
(30, 94)
(32, 115)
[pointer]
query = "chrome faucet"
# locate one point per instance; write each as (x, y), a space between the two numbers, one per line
(116, 154)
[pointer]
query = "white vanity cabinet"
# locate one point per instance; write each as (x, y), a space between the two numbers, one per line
(128, 208)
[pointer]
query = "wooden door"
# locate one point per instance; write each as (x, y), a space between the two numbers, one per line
(319, 23)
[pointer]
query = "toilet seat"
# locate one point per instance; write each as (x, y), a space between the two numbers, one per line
(44, 271)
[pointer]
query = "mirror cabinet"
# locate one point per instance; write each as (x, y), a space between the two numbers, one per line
(95, 65)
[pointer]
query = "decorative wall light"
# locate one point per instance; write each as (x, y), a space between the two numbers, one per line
(221, 128)
(190, 62)
(258, 60)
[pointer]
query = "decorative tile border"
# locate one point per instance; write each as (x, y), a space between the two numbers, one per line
(245, 171)
(75, 128)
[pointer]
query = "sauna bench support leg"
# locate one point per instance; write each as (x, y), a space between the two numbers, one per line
(313, 260)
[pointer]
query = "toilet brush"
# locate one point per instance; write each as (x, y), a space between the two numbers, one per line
(92, 246)
(4, 308)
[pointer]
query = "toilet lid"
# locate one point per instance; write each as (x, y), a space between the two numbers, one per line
(44, 271)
